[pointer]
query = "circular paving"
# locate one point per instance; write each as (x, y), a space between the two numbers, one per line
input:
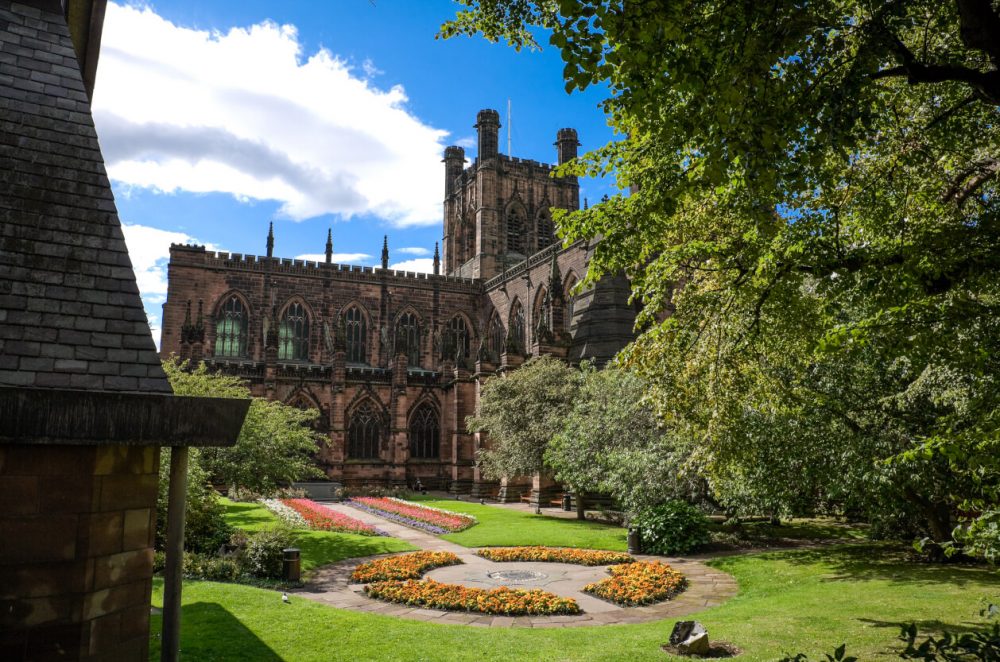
(516, 576)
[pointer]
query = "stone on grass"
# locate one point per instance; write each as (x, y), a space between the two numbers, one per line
(690, 638)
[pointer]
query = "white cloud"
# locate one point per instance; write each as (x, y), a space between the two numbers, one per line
(370, 69)
(149, 250)
(246, 112)
(337, 258)
(466, 142)
(413, 250)
(420, 264)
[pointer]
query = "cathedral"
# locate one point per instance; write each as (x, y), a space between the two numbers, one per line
(394, 360)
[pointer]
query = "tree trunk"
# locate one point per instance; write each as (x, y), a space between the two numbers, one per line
(581, 512)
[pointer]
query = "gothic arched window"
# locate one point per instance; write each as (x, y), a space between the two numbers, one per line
(293, 334)
(364, 433)
(231, 329)
(357, 335)
(515, 230)
(459, 332)
(408, 338)
(425, 433)
(495, 339)
(517, 326)
(545, 229)
(568, 298)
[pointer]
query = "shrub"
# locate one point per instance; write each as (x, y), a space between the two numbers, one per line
(675, 527)
(263, 552)
(205, 527)
(211, 568)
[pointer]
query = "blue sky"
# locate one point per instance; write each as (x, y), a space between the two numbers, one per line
(219, 117)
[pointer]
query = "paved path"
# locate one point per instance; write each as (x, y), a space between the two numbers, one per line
(331, 585)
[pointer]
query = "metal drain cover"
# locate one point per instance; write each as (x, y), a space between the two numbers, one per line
(517, 575)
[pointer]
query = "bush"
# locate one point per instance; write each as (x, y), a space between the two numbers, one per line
(263, 552)
(205, 527)
(211, 568)
(675, 527)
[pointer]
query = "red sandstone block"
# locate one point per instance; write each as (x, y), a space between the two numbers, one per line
(47, 460)
(125, 460)
(18, 494)
(123, 568)
(104, 633)
(115, 598)
(66, 494)
(37, 580)
(135, 622)
(44, 538)
(138, 529)
(28, 612)
(100, 534)
(119, 492)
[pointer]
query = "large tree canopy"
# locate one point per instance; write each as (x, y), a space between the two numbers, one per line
(814, 200)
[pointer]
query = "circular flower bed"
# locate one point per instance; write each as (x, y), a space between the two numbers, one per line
(639, 583)
(404, 566)
(502, 600)
(554, 555)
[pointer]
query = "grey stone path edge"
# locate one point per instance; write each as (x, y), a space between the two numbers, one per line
(331, 585)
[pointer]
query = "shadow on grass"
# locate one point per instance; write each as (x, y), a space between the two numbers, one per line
(924, 628)
(249, 516)
(887, 563)
(320, 547)
(210, 632)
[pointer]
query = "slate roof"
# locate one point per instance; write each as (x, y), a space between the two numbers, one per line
(70, 313)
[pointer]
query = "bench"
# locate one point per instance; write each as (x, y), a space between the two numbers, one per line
(526, 498)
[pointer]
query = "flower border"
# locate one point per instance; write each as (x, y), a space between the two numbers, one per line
(318, 517)
(402, 566)
(588, 557)
(503, 601)
(639, 583)
(435, 521)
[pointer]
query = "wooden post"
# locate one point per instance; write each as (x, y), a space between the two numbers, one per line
(170, 639)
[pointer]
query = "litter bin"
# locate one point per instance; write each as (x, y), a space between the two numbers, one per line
(291, 564)
(634, 542)
(567, 502)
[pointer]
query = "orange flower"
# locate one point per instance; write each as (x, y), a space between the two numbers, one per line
(502, 600)
(404, 566)
(639, 583)
(554, 555)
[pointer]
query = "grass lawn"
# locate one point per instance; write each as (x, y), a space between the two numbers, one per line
(318, 547)
(789, 601)
(502, 527)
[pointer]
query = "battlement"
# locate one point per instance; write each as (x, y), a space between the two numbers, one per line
(197, 255)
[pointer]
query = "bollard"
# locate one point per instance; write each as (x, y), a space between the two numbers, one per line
(634, 542)
(567, 502)
(291, 565)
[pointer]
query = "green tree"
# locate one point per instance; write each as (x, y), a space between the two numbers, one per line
(814, 197)
(276, 444)
(522, 411)
(612, 442)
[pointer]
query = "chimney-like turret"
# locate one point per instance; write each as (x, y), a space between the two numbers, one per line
(566, 144)
(454, 163)
(488, 128)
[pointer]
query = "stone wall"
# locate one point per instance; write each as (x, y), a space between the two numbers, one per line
(76, 551)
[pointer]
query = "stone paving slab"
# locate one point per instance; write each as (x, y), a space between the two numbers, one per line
(707, 587)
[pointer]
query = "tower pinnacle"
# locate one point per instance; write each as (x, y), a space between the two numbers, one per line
(385, 251)
(270, 239)
(329, 245)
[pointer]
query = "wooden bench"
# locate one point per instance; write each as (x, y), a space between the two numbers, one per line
(557, 501)
(526, 498)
